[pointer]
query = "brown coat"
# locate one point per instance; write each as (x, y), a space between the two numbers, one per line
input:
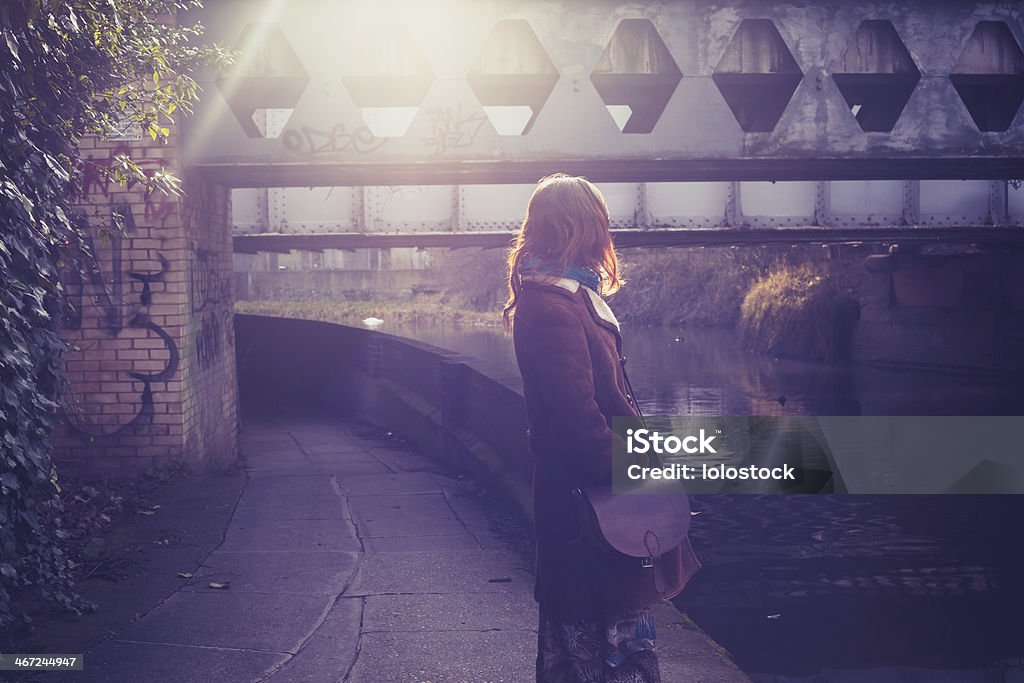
(569, 352)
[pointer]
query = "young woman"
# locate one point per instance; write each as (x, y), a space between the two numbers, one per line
(594, 623)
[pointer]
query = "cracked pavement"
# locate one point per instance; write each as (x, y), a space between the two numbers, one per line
(349, 557)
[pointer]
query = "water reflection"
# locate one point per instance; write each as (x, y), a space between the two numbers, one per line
(705, 372)
(798, 584)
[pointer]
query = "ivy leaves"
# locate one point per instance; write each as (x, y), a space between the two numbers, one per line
(68, 69)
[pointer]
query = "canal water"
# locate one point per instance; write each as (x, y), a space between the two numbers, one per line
(798, 585)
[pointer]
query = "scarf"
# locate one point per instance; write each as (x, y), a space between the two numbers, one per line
(588, 277)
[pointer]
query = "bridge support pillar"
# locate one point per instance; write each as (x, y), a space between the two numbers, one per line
(959, 310)
(151, 360)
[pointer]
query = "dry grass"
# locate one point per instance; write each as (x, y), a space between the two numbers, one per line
(798, 312)
(684, 286)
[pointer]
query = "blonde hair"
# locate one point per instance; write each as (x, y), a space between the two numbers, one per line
(566, 224)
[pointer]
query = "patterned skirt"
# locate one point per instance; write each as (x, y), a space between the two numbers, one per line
(616, 649)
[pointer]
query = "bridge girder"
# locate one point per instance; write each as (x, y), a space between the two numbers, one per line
(708, 237)
(671, 91)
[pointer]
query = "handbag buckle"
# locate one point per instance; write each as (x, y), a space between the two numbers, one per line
(647, 562)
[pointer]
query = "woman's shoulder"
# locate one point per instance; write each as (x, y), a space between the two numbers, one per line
(545, 305)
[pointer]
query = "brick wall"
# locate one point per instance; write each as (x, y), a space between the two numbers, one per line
(150, 368)
(210, 392)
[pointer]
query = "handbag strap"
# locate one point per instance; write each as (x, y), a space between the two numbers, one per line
(632, 394)
(649, 538)
(655, 461)
(654, 550)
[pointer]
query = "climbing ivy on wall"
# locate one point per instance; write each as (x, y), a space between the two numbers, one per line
(68, 69)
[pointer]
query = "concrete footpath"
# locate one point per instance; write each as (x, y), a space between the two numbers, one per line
(350, 558)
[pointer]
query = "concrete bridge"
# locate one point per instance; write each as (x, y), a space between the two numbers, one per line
(896, 122)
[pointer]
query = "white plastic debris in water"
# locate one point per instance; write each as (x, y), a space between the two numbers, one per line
(373, 322)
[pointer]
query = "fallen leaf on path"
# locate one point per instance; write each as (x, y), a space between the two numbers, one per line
(215, 584)
(185, 575)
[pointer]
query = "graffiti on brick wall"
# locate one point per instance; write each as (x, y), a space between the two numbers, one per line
(208, 340)
(115, 313)
(157, 207)
(211, 280)
(210, 277)
(106, 298)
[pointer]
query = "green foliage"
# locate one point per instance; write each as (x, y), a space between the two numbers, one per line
(68, 68)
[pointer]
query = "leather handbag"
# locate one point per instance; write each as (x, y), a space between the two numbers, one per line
(644, 525)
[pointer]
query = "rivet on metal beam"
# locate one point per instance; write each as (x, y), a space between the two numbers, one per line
(456, 221)
(823, 203)
(733, 215)
(358, 210)
(642, 212)
(912, 202)
(998, 208)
